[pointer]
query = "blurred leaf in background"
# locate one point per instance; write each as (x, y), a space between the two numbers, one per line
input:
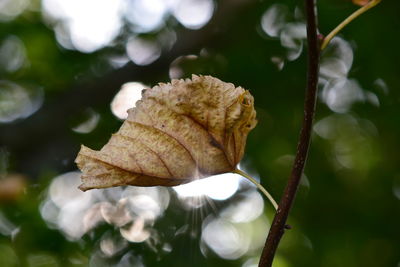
(69, 70)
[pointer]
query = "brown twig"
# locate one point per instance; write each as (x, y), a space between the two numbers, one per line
(279, 222)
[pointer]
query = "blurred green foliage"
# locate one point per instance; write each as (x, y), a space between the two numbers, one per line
(347, 210)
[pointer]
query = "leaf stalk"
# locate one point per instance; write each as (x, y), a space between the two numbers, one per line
(349, 19)
(259, 186)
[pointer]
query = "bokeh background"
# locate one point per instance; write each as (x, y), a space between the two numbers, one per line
(69, 69)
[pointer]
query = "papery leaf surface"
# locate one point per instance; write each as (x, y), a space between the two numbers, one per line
(178, 132)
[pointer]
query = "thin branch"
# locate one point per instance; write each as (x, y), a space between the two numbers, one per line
(349, 19)
(279, 222)
(259, 186)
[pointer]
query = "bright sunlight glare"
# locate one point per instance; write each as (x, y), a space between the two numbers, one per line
(218, 187)
(126, 99)
(87, 32)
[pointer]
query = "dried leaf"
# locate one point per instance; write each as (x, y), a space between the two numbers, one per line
(178, 132)
(360, 2)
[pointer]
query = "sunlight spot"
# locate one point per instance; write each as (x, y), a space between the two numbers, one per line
(279, 62)
(381, 86)
(92, 118)
(305, 182)
(75, 213)
(62, 36)
(252, 262)
(274, 19)
(110, 245)
(116, 214)
(12, 54)
(167, 38)
(69, 220)
(340, 95)
(193, 14)
(42, 259)
(148, 203)
(337, 59)
(64, 190)
(49, 212)
(307, 243)
(91, 24)
(182, 230)
(107, 246)
(7, 228)
(129, 259)
(142, 52)
(17, 102)
(285, 160)
(118, 61)
(352, 140)
(167, 248)
(218, 187)
(93, 216)
(9, 9)
(292, 37)
(146, 15)
(126, 99)
(225, 239)
(396, 191)
(248, 209)
(372, 98)
(326, 127)
(396, 187)
(145, 207)
(71, 204)
(136, 232)
(176, 68)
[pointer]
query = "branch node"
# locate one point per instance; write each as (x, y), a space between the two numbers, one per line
(288, 226)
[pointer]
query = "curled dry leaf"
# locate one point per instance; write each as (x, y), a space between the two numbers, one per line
(178, 132)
